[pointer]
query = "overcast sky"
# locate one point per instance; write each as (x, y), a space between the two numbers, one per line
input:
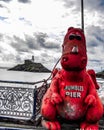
(37, 27)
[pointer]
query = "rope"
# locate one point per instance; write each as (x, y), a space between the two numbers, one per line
(49, 78)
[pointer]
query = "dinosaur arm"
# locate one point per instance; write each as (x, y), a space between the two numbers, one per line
(54, 88)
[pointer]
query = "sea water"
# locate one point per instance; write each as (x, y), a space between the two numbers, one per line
(22, 76)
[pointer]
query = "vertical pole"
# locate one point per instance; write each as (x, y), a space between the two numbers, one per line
(82, 14)
(34, 103)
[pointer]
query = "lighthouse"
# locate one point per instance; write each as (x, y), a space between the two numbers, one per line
(32, 58)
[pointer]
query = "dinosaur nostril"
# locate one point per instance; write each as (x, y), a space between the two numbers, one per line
(65, 59)
(84, 60)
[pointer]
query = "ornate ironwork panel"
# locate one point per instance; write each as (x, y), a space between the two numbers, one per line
(21, 100)
(16, 102)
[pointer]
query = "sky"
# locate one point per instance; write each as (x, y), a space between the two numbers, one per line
(37, 28)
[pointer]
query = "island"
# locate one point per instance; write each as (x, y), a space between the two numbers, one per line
(30, 66)
(100, 74)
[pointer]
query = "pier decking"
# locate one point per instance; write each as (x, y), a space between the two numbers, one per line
(15, 126)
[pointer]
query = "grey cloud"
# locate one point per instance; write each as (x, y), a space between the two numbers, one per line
(74, 4)
(7, 57)
(6, 0)
(18, 59)
(47, 60)
(19, 45)
(90, 5)
(31, 42)
(68, 3)
(52, 45)
(95, 36)
(41, 39)
(1, 36)
(24, 1)
(25, 21)
(96, 61)
(1, 6)
(36, 42)
(95, 46)
(4, 7)
(24, 45)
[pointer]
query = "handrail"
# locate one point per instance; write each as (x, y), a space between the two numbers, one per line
(22, 82)
(32, 83)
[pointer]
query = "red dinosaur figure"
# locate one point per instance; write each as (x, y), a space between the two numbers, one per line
(72, 94)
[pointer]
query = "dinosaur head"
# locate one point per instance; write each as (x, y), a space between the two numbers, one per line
(74, 55)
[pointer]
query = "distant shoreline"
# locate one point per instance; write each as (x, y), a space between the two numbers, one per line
(4, 67)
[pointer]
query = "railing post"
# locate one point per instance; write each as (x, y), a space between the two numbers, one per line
(34, 103)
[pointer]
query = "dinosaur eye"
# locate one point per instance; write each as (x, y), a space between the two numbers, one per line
(71, 37)
(78, 37)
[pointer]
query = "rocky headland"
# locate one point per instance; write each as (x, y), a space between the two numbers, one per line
(100, 74)
(30, 66)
